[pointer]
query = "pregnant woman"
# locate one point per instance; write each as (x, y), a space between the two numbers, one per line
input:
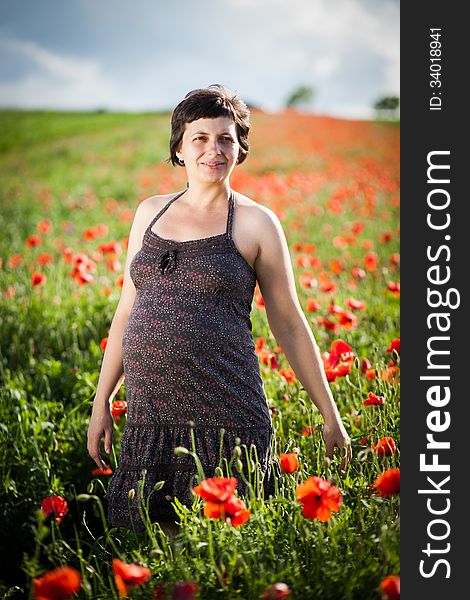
(182, 335)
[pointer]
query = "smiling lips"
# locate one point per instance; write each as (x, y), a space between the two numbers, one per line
(213, 165)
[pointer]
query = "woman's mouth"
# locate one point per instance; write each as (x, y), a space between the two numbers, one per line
(213, 165)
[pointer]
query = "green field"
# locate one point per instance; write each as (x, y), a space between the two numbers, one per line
(335, 185)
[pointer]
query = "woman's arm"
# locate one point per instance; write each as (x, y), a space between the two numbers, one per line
(292, 330)
(112, 372)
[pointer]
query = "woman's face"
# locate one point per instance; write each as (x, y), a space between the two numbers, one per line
(209, 148)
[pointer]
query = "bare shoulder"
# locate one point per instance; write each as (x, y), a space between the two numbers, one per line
(149, 207)
(260, 221)
(153, 203)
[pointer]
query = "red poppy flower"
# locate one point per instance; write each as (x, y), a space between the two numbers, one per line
(259, 344)
(38, 279)
(221, 502)
(309, 248)
(55, 505)
(289, 462)
(327, 324)
(365, 365)
(303, 261)
(358, 273)
(385, 446)
(277, 591)
(319, 498)
(179, 591)
(107, 471)
(357, 227)
(15, 260)
(233, 510)
(394, 287)
(386, 236)
(348, 320)
(388, 483)
(33, 240)
(390, 586)
(126, 576)
(354, 304)
(394, 345)
(308, 280)
(44, 226)
(335, 309)
(111, 247)
(338, 361)
(216, 489)
(389, 374)
(268, 358)
(363, 441)
(287, 374)
(374, 400)
(371, 261)
(312, 305)
(308, 430)
(58, 584)
(44, 258)
(336, 266)
(118, 408)
(340, 241)
(339, 350)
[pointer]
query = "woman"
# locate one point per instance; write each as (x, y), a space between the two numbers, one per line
(181, 333)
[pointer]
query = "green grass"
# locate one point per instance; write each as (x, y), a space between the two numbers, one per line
(84, 169)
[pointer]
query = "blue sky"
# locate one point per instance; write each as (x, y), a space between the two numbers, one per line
(146, 55)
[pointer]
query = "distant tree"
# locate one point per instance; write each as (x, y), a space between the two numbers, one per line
(387, 107)
(303, 93)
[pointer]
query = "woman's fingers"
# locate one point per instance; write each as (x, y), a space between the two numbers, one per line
(343, 443)
(108, 440)
(94, 449)
(329, 447)
(347, 455)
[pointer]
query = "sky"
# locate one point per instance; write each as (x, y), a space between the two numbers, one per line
(145, 55)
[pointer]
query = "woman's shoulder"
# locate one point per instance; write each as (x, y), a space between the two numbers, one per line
(152, 202)
(256, 216)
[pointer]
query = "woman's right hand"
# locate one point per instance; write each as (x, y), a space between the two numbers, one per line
(101, 425)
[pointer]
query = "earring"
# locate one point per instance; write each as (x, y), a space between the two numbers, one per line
(181, 161)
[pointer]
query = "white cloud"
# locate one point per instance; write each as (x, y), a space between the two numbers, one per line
(347, 50)
(334, 30)
(60, 82)
(326, 65)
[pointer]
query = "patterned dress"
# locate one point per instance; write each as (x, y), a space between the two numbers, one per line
(190, 366)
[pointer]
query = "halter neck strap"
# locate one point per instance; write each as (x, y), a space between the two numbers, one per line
(229, 225)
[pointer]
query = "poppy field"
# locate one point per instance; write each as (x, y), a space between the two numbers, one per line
(70, 185)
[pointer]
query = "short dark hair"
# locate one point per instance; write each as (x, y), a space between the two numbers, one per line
(210, 103)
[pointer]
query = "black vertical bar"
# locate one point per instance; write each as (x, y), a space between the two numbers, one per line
(433, 119)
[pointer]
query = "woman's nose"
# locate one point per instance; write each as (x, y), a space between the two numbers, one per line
(214, 145)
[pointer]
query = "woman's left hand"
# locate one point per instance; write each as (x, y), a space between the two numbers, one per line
(335, 436)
